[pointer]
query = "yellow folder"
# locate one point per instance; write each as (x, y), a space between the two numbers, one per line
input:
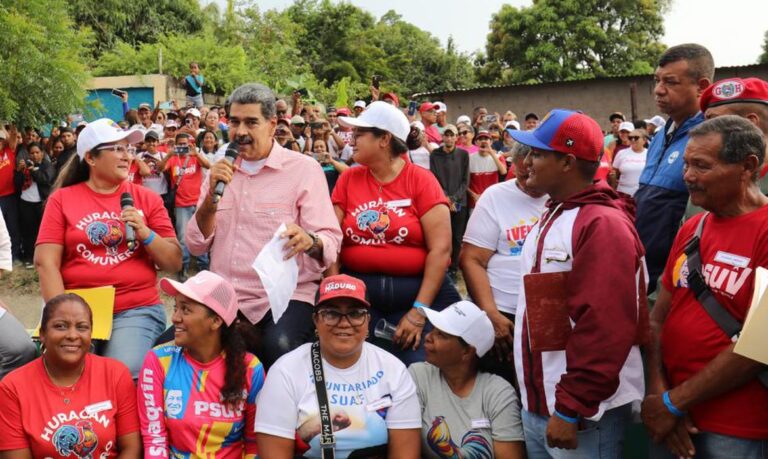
(753, 341)
(102, 303)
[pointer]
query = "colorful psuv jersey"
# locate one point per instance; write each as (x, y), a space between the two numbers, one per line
(181, 412)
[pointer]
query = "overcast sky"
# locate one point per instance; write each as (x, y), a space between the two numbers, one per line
(731, 29)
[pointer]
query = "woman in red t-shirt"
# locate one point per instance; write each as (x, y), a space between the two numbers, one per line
(397, 229)
(79, 404)
(83, 239)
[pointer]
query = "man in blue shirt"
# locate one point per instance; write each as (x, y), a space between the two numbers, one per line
(193, 83)
(683, 73)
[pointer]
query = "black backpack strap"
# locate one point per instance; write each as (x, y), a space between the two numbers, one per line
(327, 440)
(730, 326)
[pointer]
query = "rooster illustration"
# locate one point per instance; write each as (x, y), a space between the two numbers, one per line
(376, 221)
(473, 445)
(79, 439)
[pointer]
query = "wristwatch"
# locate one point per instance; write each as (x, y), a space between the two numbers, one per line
(315, 242)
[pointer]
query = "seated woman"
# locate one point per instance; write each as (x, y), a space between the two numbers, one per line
(68, 403)
(397, 228)
(83, 240)
(464, 412)
(372, 401)
(198, 398)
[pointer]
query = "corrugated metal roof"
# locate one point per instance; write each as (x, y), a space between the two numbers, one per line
(504, 86)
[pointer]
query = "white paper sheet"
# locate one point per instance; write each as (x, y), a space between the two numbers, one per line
(279, 276)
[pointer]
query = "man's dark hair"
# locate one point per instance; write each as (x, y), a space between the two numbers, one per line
(254, 93)
(182, 135)
(700, 61)
(740, 138)
(531, 116)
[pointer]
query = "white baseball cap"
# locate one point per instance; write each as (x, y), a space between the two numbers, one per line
(418, 124)
(626, 126)
(441, 107)
(104, 130)
(465, 320)
(380, 115)
(512, 123)
(463, 119)
(194, 112)
(359, 103)
(657, 121)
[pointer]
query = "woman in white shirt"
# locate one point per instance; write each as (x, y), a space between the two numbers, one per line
(629, 164)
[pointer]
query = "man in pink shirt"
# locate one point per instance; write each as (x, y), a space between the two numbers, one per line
(267, 186)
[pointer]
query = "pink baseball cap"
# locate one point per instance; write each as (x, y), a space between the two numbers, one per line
(342, 286)
(209, 289)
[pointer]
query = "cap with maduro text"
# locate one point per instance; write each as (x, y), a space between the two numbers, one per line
(342, 286)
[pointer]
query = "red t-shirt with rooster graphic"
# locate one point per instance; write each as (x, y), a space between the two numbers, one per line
(381, 225)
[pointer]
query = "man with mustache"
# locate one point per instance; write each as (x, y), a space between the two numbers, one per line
(703, 399)
(684, 71)
(266, 186)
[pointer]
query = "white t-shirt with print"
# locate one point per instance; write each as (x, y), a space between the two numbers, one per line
(631, 165)
(358, 397)
(500, 222)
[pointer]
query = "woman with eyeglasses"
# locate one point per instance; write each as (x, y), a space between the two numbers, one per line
(466, 137)
(397, 228)
(372, 406)
(629, 164)
(89, 239)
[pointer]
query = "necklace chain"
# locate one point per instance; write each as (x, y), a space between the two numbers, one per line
(64, 389)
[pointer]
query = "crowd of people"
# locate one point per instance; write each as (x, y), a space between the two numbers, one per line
(596, 294)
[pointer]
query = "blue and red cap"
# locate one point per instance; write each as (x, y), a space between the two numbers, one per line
(565, 131)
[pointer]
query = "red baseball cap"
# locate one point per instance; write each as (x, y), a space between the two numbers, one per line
(565, 131)
(428, 106)
(734, 90)
(342, 286)
(343, 111)
(391, 96)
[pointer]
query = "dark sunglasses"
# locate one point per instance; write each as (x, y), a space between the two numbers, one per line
(634, 137)
(463, 132)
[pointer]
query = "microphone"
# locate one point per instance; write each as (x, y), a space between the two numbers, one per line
(233, 150)
(126, 200)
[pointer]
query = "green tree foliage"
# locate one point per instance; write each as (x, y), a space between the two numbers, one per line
(555, 40)
(763, 59)
(42, 77)
(135, 21)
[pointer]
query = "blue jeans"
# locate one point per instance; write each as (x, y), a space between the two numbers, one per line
(197, 100)
(392, 297)
(603, 439)
(710, 445)
(183, 216)
(133, 333)
(16, 348)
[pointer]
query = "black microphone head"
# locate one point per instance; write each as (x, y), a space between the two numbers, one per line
(126, 200)
(233, 151)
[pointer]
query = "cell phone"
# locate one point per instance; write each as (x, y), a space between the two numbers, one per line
(412, 108)
(376, 81)
(118, 93)
(188, 121)
(316, 125)
(490, 118)
(182, 150)
(303, 92)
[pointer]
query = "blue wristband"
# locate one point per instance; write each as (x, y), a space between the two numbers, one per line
(672, 408)
(565, 418)
(151, 238)
(419, 304)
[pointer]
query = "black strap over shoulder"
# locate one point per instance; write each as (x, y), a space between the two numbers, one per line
(327, 440)
(696, 282)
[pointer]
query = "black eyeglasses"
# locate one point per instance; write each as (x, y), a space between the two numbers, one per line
(634, 137)
(332, 317)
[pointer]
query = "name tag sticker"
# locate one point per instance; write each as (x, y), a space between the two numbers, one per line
(555, 255)
(399, 203)
(730, 259)
(481, 424)
(96, 407)
(384, 402)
